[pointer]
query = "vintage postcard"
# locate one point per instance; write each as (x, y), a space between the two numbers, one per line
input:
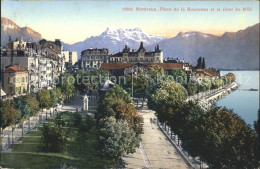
(129, 84)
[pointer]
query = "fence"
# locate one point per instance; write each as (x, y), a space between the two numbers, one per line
(10, 135)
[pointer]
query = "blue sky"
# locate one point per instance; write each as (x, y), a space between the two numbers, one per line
(73, 21)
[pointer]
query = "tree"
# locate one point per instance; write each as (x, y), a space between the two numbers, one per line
(54, 97)
(116, 138)
(117, 103)
(140, 85)
(54, 138)
(66, 84)
(9, 114)
(203, 65)
(169, 94)
(180, 76)
(226, 140)
(44, 99)
(199, 63)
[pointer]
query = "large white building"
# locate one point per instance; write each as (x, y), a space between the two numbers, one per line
(93, 58)
(141, 55)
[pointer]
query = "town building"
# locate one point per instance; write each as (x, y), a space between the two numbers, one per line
(70, 58)
(43, 60)
(201, 74)
(141, 55)
(15, 80)
(93, 58)
(121, 69)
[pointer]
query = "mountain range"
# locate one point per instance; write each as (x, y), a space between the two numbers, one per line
(232, 50)
(9, 28)
(115, 40)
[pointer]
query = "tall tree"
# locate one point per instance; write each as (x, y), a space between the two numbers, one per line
(9, 114)
(199, 63)
(44, 99)
(116, 138)
(203, 65)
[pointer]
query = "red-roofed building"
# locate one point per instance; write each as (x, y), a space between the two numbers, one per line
(15, 81)
(207, 73)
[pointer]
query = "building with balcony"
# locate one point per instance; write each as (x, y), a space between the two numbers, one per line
(15, 80)
(93, 58)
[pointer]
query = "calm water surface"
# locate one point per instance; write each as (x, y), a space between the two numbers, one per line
(245, 103)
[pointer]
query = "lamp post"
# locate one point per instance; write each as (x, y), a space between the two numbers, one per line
(133, 81)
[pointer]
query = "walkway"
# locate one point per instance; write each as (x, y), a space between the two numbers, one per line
(156, 150)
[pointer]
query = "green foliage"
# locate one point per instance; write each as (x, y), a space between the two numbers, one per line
(44, 99)
(54, 138)
(203, 65)
(9, 114)
(229, 78)
(199, 63)
(66, 84)
(140, 85)
(179, 76)
(217, 83)
(167, 99)
(227, 142)
(59, 121)
(192, 88)
(90, 81)
(76, 119)
(54, 97)
(116, 138)
(118, 104)
(28, 105)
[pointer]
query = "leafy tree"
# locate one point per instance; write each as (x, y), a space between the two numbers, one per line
(116, 138)
(59, 121)
(59, 94)
(77, 119)
(66, 84)
(180, 76)
(9, 114)
(28, 105)
(140, 85)
(54, 97)
(169, 94)
(117, 103)
(226, 140)
(44, 99)
(54, 138)
(192, 88)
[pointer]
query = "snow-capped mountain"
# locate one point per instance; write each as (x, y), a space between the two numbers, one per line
(115, 40)
(9, 28)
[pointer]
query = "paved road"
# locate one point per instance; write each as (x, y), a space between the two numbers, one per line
(157, 151)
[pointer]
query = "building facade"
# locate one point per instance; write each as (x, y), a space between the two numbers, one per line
(16, 80)
(70, 58)
(141, 55)
(43, 60)
(93, 58)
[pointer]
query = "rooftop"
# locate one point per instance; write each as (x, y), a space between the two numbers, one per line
(15, 68)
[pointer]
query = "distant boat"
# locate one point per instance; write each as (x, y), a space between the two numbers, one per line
(253, 89)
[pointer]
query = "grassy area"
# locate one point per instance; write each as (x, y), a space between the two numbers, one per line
(81, 151)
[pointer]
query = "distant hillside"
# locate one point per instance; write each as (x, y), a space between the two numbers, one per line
(236, 50)
(9, 28)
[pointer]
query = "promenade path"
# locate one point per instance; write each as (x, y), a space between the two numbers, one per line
(156, 151)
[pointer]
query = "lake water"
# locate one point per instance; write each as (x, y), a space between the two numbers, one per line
(245, 103)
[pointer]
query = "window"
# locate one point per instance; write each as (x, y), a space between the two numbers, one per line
(22, 79)
(10, 80)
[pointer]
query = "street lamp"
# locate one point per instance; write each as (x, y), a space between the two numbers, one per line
(133, 81)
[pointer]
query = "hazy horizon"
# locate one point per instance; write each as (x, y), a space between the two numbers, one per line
(75, 21)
